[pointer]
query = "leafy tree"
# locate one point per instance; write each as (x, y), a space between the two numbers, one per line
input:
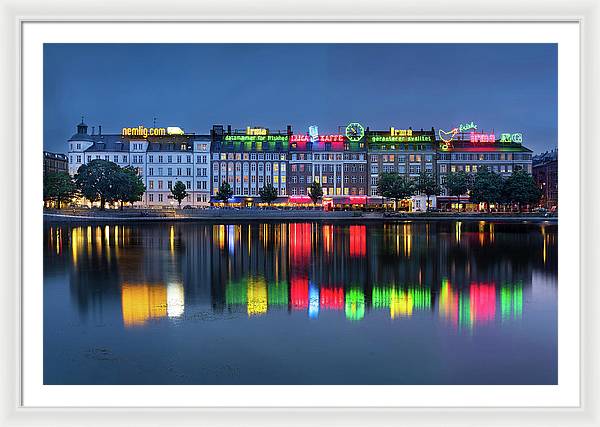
(403, 188)
(457, 184)
(59, 186)
(179, 192)
(520, 188)
(426, 184)
(97, 181)
(268, 193)
(129, 186)
(487, 187)
(224, 192)
(315, 192)
(395, 186)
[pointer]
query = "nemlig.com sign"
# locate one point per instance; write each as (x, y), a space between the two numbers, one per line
(143, 131)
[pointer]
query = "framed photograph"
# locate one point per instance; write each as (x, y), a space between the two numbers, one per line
(334, 217)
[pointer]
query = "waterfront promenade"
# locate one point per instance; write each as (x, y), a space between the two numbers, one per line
(70, 215)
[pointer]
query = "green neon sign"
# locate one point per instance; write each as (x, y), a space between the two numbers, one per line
(355, 132)
(256, 138)
(414, 138)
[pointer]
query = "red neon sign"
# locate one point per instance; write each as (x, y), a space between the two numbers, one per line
(482, 137)
(322, 138)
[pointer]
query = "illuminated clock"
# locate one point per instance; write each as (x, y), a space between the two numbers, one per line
(355, 132)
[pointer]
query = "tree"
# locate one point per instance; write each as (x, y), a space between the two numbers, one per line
(426, 184)
(97, 181)
(59, 186)
(520, 188)
(315, 192)
(179, 192)
(268, 193)
(403, 188)
(224, 192)
(395, 186)
(457, 184)
(129, 186)
(487, 187)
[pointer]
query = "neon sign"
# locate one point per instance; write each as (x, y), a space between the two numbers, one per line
(482, 137)
(355, 132)
(320, 138)
(446, 138)
(144, 131)
(255, 131)
(511, 137)
(313, 131)
(463, 127)
(413, 138)
(251, 138)
(400, 132)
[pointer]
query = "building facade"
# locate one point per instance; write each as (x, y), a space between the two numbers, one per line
(469, 151)
(55, 162)
(545, 175)
(247, 160)
(160, 159)
(346, 163)
(407, 152)
(332, 160)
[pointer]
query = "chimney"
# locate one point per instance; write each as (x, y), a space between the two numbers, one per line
(93, 130)
(367, 129)
(289, 129)
(229, 129)
(99, 130)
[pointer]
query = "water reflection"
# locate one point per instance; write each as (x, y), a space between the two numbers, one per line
(467, 275)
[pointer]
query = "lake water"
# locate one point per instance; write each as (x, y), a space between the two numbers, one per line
(466, 302)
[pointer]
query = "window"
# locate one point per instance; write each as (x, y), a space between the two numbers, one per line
(150, 197)
(160, 197)
(188, 171)
(78, 159)
(116, 159)
(150, 171)
(188, 185)
(160, 184)
(169, 159)
(169, 171)
(124, 159)
(151, 185)
(178, 159)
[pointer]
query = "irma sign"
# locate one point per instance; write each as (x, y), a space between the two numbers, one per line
(401, 135)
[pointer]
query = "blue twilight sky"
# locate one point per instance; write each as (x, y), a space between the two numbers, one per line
(507, 87)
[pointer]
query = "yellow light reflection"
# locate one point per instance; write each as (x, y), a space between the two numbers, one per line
(458, 231)
(141, 302)
(172, 240)
(401, 304)
(257, 297)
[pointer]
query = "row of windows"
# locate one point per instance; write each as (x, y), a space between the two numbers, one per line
(401, 158)
(200, 172)
(401, 168)
(253, 178)
(328, 156)
(249, 156)
(329, 191)
(200, 198)
(325, 179)
(140, 146)
(485, 156)
(503, 168)
(253, 191)
(353, 167)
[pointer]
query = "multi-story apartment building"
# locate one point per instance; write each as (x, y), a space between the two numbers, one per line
(248, 159)
(55, 162)
(160, 158)
(347, 164)
(405, 151)
(339, 165)
(469, 151)
(545, 174)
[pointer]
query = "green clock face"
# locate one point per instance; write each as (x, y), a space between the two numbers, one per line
(355, 132)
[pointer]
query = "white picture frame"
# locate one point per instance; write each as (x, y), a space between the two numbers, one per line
(16, 13)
